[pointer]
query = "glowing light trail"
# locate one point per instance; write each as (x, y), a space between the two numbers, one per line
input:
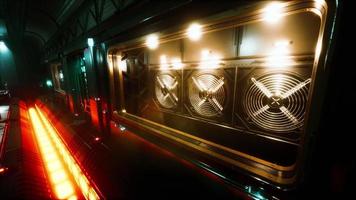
(60, 164)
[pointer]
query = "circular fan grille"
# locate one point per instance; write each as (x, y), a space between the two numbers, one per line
(166, 88)
(207, 94)
(276, 102)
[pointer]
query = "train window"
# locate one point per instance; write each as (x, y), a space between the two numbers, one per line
(239, 93)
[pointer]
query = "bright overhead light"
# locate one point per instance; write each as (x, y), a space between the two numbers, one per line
(90, 42)
(152, 41)
(273, 12)
(49, 83)
(3, 46)
(194, 32)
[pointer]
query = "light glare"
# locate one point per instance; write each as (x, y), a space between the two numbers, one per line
(177, 63)
(152, 41)
(273, 12)
(194, 32)
(90, 42)
(53, 151)
(209, 59)
(3, 46)
(279, 55)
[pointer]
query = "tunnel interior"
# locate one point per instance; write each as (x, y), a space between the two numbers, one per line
(126, 99)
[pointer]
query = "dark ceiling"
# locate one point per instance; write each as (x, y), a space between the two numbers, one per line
(35, 19)
(26, 26)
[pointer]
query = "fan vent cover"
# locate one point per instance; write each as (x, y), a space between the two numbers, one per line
(207, 94)
(166, 88)
(276, 102)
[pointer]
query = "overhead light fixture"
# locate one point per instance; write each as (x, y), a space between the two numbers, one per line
(152, 41)
(194, 31)
(3, 46)
(90, 42)
(273, 12)
(49, 83)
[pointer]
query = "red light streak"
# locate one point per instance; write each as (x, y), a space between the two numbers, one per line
(60, 165)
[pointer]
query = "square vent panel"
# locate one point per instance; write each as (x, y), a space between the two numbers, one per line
(273, 101)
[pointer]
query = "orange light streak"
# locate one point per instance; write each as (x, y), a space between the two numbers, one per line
(60, 183)
(75, 171)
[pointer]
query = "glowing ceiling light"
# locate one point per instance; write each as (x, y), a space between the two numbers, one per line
(152, 41)
(273, 12)
(3, 46)
(90, 42)
(194, 32)
(49, 83)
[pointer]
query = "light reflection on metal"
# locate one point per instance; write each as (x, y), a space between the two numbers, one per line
(208, 95)
(262, 87)
(122, 128)
(177, 63)
(249, 46)
(276, 102)
(296, 88)
(60, 157)
(209, 60)
(3, 46)
(273, 12)
(163, 62)
(279, 55)
(122, 64)
(319, 4)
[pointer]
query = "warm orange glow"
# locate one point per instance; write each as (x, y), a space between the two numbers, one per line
(64, 190)
(60, 150)
(279, 55)
(152, 41)
(194, 32)
(273, 12)
(209, 59)
(60, 183)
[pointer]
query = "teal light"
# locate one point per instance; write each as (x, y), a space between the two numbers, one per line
(49, 83)
(257, 193)
(3, 46)
(90, 42)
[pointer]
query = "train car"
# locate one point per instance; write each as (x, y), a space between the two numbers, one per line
(233, 87)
